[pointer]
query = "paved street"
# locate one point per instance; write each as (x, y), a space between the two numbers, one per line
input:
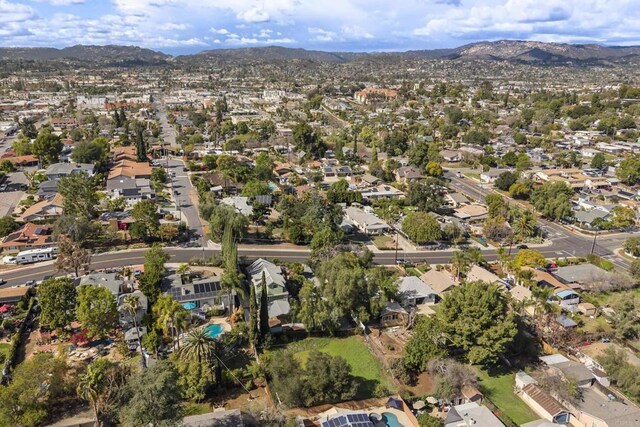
(565, 242)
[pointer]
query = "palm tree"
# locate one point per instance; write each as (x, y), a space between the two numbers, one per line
(89, 389)
(131, 305)
(541, 296)
(171, 317)
(459, 264)
(524, 225)
(183, 269)
(197, 346)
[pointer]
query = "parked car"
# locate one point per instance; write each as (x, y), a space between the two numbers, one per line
(523, 247)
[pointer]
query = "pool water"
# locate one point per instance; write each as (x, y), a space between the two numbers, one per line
(390, 419)
(214, 330)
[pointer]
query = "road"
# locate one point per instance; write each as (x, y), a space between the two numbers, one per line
(246, 252)
(565, 241)
(183, 192)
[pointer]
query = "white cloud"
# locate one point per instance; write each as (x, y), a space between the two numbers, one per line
(219, 31)
(322, 35)
(355, 32)
(255, 14)
(60, 2)
(15, 12)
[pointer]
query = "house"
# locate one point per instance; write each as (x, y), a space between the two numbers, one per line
(198, 293)
(29, 236)
(583, 274)
(14, 295)
(603, 407)
(393, 314)
(587, 218)
(111, 281)
(471, 415)
(61, 170)
(440, 281)
(566, 322)
(130, 169)
(573, 371)
(587, 309)
(126, 317)
(132, 335)
(407, 174)
(382, 191)
(366, 180)
(451, 156)
(413, 291)
(43, 210)
(456, 199)
(544, 404)
(366, 222)
(477, 273)
(471, 212)
(47, 190)
(277, 293)
(132, 190)
(490, 176)
(240, 203)
(374, 94)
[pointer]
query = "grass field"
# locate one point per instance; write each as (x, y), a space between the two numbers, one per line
(365, 367)
(498, 387)
(384, 243)
(4, 350)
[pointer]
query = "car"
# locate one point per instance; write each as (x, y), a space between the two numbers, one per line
(522, 247)
(2, 281)
(30, 283)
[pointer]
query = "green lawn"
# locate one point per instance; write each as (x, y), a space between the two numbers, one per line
(472, 175)
(4, 350)
(498, 387)
(364, 365)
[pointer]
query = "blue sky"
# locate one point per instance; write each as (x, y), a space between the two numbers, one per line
(185, 26)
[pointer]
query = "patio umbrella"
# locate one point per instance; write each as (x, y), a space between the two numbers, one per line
(419, 405)
(394, 403)
(432, 400)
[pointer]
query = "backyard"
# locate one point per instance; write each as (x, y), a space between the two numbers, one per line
(365, 367)
(497, 386)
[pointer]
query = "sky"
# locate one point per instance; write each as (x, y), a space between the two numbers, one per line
(188, 26)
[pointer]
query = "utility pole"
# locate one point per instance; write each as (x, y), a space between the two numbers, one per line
(396, 258)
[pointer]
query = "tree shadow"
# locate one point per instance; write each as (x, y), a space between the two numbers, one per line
(366, 388)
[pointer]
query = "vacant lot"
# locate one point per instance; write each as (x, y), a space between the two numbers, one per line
(365, 367)
(498, 387)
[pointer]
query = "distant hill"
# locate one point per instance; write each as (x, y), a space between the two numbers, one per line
(528, 52)
(275, 53)
(109, 54)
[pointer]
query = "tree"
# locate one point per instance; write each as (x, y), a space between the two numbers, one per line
(195, 378)
(22, 146)
(57, 299)
(623, 217)
(306, 139)
(96, 309)
(474, 317)
(599, 161)
(529, 258)
(324, 240)
(154, 270)
(496, 206)
(426, 420)
(96, 151)
(145, 214)
(421, 228)
(520, 190)
(505, 180)
(28, 128)
(264, 309)
(339, 193)
(628, 171)
(141, 146)
(223, 214)
(47, 146)
(167, 232)
(100, 385)
(131, 305)
(152, 397)
(434, 169)
(426, 195)
(36, 386)
(254, 331)
(451, 377)
(427, 342)
(524, 224)
(632, 246)
(552, 199)
(79, 198)
(7, 225)
(198, 346)
(314, 311)
(71, 256)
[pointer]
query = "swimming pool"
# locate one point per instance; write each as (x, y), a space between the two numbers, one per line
(214, 330)
(390, 420)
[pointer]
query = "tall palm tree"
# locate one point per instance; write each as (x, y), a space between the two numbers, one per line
(459, 264)
(197, 346)
(170, 316)
(131, 305)
(541, 296)
(89, 389)
(524, 225)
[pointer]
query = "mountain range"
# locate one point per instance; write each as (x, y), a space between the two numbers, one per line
(528, 52)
